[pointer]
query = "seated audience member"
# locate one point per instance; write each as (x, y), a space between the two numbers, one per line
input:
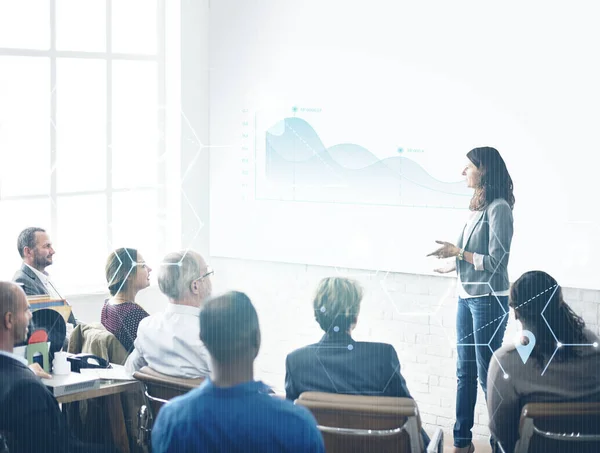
(169, 342)
(552, 373)
(29, 414)
(231, 411)
(337, 363)
(35, 248)
(126, 274)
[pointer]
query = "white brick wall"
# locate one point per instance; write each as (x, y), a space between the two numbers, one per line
(415, 313)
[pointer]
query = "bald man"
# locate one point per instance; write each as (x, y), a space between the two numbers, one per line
(29, 413)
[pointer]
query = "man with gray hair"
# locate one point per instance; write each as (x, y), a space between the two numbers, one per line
(169, 342)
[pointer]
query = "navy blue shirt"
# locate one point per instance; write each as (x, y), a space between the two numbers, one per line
(244, 418)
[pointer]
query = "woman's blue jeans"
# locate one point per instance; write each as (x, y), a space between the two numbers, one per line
(480, 325)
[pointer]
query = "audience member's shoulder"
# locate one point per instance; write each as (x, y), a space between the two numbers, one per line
(144, 323)
(302, 352)
(376, 347)
(507, 356)
(506, 350)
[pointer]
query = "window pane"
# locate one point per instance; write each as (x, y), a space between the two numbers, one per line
(80, 125)
(135, 223)
(81, 247)
(81, 25)
(140, 14)
(25, 25)
(17, 215)
(135, 124)
(24, 126)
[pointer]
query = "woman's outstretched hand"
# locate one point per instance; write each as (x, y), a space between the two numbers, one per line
(447, 250)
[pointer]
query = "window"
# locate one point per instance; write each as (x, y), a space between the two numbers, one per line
(82, 132)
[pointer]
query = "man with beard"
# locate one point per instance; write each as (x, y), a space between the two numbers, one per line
(30, 416)
(35, 248)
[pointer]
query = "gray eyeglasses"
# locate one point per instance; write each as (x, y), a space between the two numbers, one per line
(209, 271)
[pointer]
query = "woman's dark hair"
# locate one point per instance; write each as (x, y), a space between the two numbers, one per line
(538, 303)
(120, 267)
(495, 179)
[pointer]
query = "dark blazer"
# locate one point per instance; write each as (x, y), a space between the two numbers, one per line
(29, 413)
(338, 364)
(30, 282)
(33, 286)
(30, 416)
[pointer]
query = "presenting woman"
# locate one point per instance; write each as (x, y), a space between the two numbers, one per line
(482, 253)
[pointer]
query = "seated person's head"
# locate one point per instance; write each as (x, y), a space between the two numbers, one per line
(184, 277)
(126, 272)
(337, 304)
(35, 248)
(229, 329)
(15, 315)
(539, 306)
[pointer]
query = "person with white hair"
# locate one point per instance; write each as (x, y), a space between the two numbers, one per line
(169, 341)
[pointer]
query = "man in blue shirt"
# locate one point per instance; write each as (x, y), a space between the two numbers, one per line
(230, 411)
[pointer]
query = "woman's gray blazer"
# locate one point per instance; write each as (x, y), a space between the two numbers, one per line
(490, 235)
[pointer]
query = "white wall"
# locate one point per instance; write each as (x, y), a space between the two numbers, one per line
(283, 293)
(442, 77)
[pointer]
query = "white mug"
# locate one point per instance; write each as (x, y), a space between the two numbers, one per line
(60, 364)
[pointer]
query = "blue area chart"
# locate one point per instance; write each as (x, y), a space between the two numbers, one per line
(300, 168)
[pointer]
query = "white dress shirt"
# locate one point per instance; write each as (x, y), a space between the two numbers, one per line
(14, 356)
(169, 342)
(45, 279)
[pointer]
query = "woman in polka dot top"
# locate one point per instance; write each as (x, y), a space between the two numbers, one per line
(126, 275)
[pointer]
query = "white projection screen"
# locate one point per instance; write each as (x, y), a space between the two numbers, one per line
(339, 130)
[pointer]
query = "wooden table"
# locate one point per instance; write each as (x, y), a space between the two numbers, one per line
(109, 390)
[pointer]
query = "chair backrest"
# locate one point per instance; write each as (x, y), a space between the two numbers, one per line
(351, 423)
(549, 427)
(160, 388)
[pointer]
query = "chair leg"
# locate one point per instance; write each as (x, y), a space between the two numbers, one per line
(412, 428)
(525, 437)
(144, 427)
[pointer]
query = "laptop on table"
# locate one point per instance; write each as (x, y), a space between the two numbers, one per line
(61, 385)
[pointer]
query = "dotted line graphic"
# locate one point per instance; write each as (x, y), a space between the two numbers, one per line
(500, 317)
